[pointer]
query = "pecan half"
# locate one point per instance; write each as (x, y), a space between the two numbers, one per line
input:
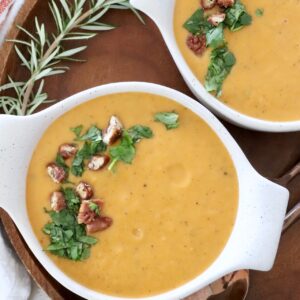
(57, 173)
(57, 201)
(197, 43)
(99, 224)
(216, 19)
(98, 162)
(225, 3)
(113, 131)
(86, 215)
(67, 150)
(84, 190)
(208, 4)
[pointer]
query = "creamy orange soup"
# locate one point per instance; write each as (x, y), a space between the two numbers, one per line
(264, 82)
(173, 208)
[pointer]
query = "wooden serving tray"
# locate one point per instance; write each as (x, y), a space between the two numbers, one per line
(137, 52)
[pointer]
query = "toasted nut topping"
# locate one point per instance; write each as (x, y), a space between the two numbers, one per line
(197, 43)
(225, 3)
(113, 131)
(216, 19)
(208, 4)
(99, 224)
(67, 150)
(57, 173)
(86, 215)
(98, 162)
(57, 201)
(84, 191)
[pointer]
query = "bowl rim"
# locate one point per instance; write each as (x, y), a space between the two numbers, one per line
(248, 181)
(162, 13)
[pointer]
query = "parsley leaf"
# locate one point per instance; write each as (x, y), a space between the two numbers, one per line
(88, 240)
(169, 119)
(221, 63)
(215, 36)
(237, 17)
(61, 162)
(77, 130)
(93, 134)
(259, 12)
(125, 151)
(197, 23)
(94, 207)
(139, 132)
(72, 200)
(77, 167)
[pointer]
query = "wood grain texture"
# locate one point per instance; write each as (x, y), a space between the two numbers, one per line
(137, 52)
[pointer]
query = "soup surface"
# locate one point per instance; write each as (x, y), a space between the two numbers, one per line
(173, 208)
(264, 82)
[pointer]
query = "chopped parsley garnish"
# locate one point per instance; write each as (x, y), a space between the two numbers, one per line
(86, 152)
(259, 12)
(139, 132)
(125, 151)
(197, 23)
(222, 60)
(72, 200)
(237, 17)
(221, 63)
(169, 119)
(94, 207)
(215, 36)
(93, 145)
(68, 238)
(61, 162)
(94, 134)
(77, 130)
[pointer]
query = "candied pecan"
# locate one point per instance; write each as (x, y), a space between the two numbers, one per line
(57, 173)
(225, 3)
(84, 190)
(86, 215)
(57, 201)
(216, 19)
(99, 224)
(98, 162)
(113, 131)
(67, 150)
(197, 43)
(208, 4)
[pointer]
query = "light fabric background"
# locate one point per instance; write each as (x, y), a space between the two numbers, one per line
(15, 282)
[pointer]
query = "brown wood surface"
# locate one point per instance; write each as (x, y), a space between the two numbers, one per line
(137, 52)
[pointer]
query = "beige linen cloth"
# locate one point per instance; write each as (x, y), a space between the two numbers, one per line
(15, 282)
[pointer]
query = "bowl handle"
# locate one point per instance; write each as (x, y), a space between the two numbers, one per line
(261, 220)
(160, 11)
(16, 146)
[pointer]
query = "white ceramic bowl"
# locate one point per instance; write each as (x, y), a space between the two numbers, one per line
(262, 204)
(162, 13)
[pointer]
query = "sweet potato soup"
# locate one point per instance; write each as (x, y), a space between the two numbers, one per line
(264, 82)
(171, 209)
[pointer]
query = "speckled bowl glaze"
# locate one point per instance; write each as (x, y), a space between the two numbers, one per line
(162, 13)
(262, 204)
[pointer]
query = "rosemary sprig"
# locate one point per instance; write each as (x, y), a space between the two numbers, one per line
(43, 53)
